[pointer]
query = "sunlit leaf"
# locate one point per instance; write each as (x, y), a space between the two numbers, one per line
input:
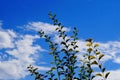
(96, 45)
(97, 53)
(89, 44)
(100, 56)
(91, 57)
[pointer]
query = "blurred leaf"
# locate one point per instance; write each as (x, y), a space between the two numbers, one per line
(89, 44)
(57, 28)
(35, 69)
(89, 50)
(99, 74)
(97, 53)
(107, 74)
(96, 45)
(91, 57)
(103, 70)
(100, 56)
(67, 40)
(93, 77)
(63, 43)
(89, 40)
(52, 48)
(94, 62)
(100, 66)
(53, 68)
(72, 36)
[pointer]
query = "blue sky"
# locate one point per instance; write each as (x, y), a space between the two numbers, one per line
(21, 19)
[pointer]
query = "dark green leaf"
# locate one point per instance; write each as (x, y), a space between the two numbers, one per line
(94, 62)
(99, 74)
(103, 70)
(107, 74)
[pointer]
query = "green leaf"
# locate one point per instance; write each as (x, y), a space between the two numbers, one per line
(103, 70)
(55, 79)
(100, 66)
(94, 62)
(35, 69)
(63, 43)
(89, 44)
(100, 56)
(89, 40)
(91, 57)
(57, 28)
(55, 57)
(53, 68)
(72, 36)
(107, 74)
(93, 77)
(89, 50)
(97, 53)
(52, 48)
(70, 49)
(67, 40)
(96, 45)
(99, 74)
(59, 24)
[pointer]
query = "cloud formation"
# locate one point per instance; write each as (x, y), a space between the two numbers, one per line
(6, 39)
(114, 75)
(111, 49)
(46, 27)
(17, 52)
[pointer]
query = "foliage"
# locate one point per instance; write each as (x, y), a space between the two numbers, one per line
(65, 61)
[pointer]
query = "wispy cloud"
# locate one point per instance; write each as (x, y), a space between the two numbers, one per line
(6, 39)
(46, 27)
(114, 75)
(111, 49)
(17, 52)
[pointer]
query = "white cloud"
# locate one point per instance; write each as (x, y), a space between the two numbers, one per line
(111, 49)
(114, 75)
(23, 50)
(20, 51)
(47, 28)
(6, 39)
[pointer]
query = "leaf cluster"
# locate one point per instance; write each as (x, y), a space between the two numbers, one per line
(65, 61)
